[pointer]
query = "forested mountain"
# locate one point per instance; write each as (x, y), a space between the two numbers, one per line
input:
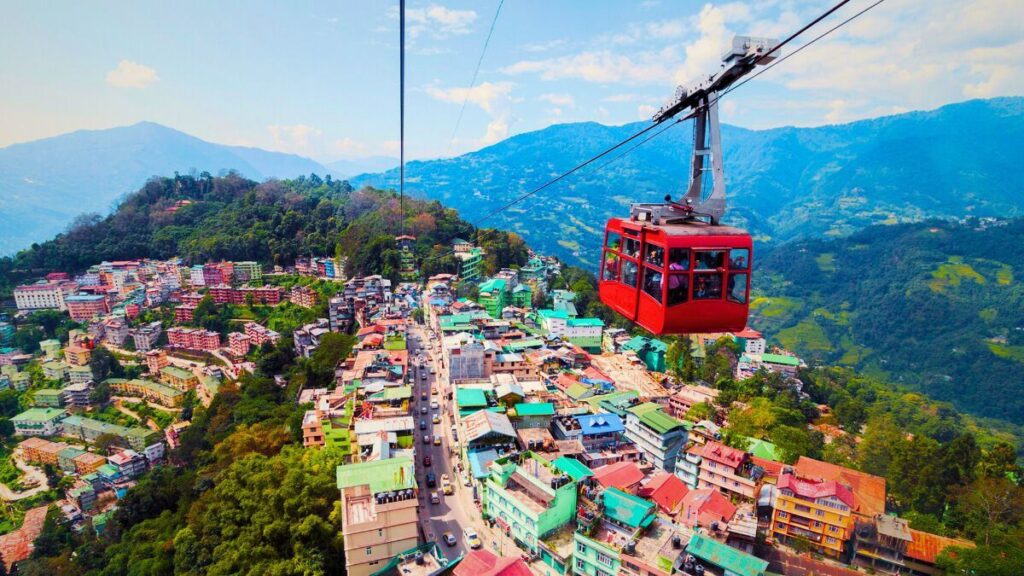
(938, 306)
(272, 222)
(46, 183)
(783, 183)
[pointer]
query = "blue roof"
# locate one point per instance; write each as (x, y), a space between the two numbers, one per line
(600, 423)
(480, 461)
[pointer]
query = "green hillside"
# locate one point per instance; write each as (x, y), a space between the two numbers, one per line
(938, 306)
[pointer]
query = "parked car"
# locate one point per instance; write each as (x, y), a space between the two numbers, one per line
(465, 480)
(437, 419)
(449, 538)
(446, 485)
(437, 440)
(427, 461)
(434, 405)
(472, 540)
(434, 498)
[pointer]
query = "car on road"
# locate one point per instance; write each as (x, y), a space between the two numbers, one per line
(431, 480)
(449, 538)
(423, 424)
(434, 498)
(427, 461)
(434, 405)
(446, 485)
(423, 409)
(426, 438)
(465, 480)
(437, 440)
(455, 432)
(423, 375)
(433, 390)
(423, 396)
(437, 419)
(472, 540)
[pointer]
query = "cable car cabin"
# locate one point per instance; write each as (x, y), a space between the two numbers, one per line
(707, 270)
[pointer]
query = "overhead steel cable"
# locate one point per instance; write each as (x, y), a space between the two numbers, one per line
(401, 118)
(472, 84)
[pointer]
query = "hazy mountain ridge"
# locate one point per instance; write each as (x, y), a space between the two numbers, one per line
(783, 183)
(45, 183)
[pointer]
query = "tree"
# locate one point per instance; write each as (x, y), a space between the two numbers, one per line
(852, 414)
(703, 411)
(6, 428)
(104, 442)
(1000, 461)
(990, 504)
(101, 393)
(104, 364)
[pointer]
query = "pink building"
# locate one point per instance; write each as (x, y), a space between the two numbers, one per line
(193, 338)
(238, 343)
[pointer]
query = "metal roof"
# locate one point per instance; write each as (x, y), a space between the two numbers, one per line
(726, 557)
(381, 475)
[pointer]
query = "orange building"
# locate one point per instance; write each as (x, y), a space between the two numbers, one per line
(817, 511)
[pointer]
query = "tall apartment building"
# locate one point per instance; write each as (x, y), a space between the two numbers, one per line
(145, 336)
(39, 296)
(302, 296)
(260, 335)
(85, 306)
(193, 338)
(156, 360)
(657, 435)
(728, 470)
(248, 271)
(379, 508)
(818, 511)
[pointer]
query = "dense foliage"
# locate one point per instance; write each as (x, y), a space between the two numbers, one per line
(937, 306)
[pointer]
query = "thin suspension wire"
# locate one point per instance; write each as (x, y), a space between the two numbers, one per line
(472, 84)
(401, 117)
(810, 24)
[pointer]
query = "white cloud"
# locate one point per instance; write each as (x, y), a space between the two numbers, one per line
(565, 100)
(347, 147)
(484, 95)
(645, 111)
(497, 130)
(544, 46)
(437, 21)
(295, 138)
(130, 74)
(604, 67)
(704, 56)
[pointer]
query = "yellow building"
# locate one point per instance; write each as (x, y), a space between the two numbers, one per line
(178, 378)
(148, 391)
(815, 511)
(379, 507)
(77, 355)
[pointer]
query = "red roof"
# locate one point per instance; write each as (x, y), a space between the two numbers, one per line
(485, 563)
(666, 490)
(868, 491)
(771, 467)
(564, 381)
(814, 489)
(748, 333)
(927, 547)
(372, 329)
(621, 475)
(17, 546)
(595, 374)
(718, 452)
(705, 506)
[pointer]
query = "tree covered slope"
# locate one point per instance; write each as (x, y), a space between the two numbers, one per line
(936, 305)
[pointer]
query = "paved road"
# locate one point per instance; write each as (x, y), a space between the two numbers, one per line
(457, 511)
(32, 474)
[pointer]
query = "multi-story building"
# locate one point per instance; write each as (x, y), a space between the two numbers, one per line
(39, 296)
(79, 375)
(213, 275)
(528, 498)
(688, 465)
(307, 338)
(379, 512)
(751, 341)
(341, 314)
(238, 344)
(146, 336)
(41, 451)
(76, 355)
(48, 398)
(129, 463)
(260, 335)
(584, 332)
(147, 390)
(602, 536)
(39, 422)
(86, 306)
(657, 435)
(55, 370)
(115, 331)
(814, 510)
(728, 470)
(184, 314)
(493, 296)
(50, 348)
(193, 338)
(302, 296)
(224, 294)
(156, 360)
(689, 396)
(248, 271)
(88, 462)
(6, 334)
(471, 263)
(178, 378)
(77, 394)
(89, 430)
(465, 361)
(881, 544)
(522, 296)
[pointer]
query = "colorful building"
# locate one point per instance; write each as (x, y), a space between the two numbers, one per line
(39, 422)
(602, 536)
(657, 435)
(179, 378)
(813, 510)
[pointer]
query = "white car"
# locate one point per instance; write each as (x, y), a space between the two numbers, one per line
(434, 405)
(472, 540)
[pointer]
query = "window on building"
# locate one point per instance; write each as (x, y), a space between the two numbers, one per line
(581, 548)
(580, 565)
(783, 515)
(604, 558)
(820, 513)
(830, 540)
(833, 529)
(369, 550)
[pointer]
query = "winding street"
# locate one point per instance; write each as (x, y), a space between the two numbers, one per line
(32, 474)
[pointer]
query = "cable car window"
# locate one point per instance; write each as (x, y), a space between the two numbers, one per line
(678, 259)
(738, 288)
(739, 258)
(707, 286)
(678, 288)
(611, 266)
(613, 240)
(629, 272)
(655, 255)
(631, 247)
(710, 259)
(652, 283)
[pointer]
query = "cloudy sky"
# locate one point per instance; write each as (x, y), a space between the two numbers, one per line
(321, 78)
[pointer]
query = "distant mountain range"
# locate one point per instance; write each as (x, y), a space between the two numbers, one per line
(44, 184)
(350, 168)
(783, 183)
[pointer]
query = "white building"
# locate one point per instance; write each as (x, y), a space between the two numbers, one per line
(657, 435)
(39, 296)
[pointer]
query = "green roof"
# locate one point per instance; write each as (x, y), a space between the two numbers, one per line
(780, 359)
(659, 421)
(637, 343)
(546, 313)
(467, 397)
(148, 384)
(493, 285)
(577, 390)
(586, 322)
(763, 449)
(398, 393)
(177, 372)
(48, 392)
(381, 475)
(633, 511)
(38, 415)
(643, 408)
(517, 345)
(574, 468)
(726, 557)
(535, 409)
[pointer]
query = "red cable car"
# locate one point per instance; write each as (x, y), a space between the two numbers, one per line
(682, 278)
(673, 268)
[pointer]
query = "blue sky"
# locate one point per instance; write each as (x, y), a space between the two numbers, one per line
(320, 78)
